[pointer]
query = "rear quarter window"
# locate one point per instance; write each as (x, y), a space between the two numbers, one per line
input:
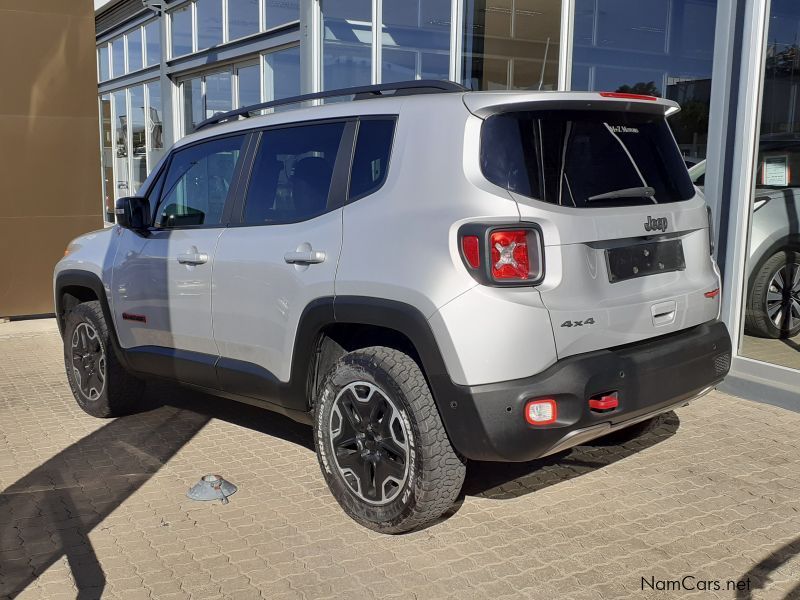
(371, 157)
(570, 158)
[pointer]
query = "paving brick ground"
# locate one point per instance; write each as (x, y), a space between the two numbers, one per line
(92, 508)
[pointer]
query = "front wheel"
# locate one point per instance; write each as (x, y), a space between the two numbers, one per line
(381, 444)
(101, 385)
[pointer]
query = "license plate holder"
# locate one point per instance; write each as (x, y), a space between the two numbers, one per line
(641, 260)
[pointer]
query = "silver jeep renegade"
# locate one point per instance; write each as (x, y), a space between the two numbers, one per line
(424, 274)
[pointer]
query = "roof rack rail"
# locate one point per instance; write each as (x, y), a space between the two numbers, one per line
(401, 88)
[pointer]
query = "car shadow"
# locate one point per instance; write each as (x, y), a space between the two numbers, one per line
(48, 514)
(758, 577)
(503, 481)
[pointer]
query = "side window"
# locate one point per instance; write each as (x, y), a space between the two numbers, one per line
(292, 173)
(197, 183)
(371, 159)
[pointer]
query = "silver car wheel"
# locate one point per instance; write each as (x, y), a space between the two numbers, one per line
(370, 440)
(88, 361)
(783, 297)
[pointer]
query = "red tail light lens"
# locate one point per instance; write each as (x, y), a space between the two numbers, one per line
(510, 252)
(502, 255)
(471, 250)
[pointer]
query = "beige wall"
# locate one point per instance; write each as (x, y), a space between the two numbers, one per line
(49, 144)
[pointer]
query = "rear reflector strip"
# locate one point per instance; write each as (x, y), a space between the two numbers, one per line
(471, 250)
(628, 96)
(604, 402)
(712, 293)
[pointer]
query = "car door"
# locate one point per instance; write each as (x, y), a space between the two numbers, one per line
(282, 256)
(161, 283)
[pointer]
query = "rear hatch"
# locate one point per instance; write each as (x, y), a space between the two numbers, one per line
(625, 232)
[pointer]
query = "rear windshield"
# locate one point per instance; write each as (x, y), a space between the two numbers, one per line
(585, 159)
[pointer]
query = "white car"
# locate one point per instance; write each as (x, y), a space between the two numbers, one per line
(426, 275)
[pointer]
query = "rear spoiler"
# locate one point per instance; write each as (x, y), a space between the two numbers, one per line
(485, 104)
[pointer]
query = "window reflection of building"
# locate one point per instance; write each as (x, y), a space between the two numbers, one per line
(650, 47)
(511, 44)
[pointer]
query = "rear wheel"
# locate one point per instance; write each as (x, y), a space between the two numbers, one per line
(774, 302)
(101, 385)
(381, 444)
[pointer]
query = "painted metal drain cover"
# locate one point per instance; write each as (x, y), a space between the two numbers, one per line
(211, 487)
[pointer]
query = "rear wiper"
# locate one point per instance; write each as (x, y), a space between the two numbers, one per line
(634, 192)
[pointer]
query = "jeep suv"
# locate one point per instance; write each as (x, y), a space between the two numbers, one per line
(425, 275)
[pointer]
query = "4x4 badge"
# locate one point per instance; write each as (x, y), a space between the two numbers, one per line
(652, 224)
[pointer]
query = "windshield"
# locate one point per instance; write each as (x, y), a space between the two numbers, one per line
(585, 159)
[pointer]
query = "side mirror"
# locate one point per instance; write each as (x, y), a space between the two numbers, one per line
(133, 213)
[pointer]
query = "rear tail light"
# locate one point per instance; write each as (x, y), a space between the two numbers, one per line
(712, 294)
(510, 258)
(502, 256)
(542, 411)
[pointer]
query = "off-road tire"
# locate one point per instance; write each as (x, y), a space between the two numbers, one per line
(435, 472)
(121, 391)
(757, 321)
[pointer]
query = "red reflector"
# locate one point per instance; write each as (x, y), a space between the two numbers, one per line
(510, 254)
(541, 412)
(625, 95)
(712, 293)
(604, 401)
(471, 250)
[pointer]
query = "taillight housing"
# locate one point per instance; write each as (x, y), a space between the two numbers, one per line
(503, 255)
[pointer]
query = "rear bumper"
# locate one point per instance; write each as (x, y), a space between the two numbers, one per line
(487, 422)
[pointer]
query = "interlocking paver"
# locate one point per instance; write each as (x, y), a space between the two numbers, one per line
(712, 492)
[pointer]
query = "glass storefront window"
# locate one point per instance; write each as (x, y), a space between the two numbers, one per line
(155, 125)
(119, 110)
(106, 156)
(651, 47)
(209, 23)
(117, 56)
(413, 33)
(771, 298)
(138, 139)
(218, 94)
(103, 72)
(512, 44)
(181, 26)
(152, 36)
(347, 43)
(192, 103)
(282, 74)
(242, 18)
(281, 12)
(248, 85)
(134, 41)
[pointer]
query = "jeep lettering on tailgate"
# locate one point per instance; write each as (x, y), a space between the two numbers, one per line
(652, 224)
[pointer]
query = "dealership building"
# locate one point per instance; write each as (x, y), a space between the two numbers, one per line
(163, 66)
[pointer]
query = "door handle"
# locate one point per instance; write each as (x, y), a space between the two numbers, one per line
(193, 258)
(305, 257)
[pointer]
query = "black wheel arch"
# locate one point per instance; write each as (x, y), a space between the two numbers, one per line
(381, 322)
(72, 287)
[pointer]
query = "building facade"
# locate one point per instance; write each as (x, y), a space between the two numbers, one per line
(46, 53)
(166, 65)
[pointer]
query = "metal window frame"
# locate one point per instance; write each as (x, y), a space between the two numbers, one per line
(742, 29)
(565, 45)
